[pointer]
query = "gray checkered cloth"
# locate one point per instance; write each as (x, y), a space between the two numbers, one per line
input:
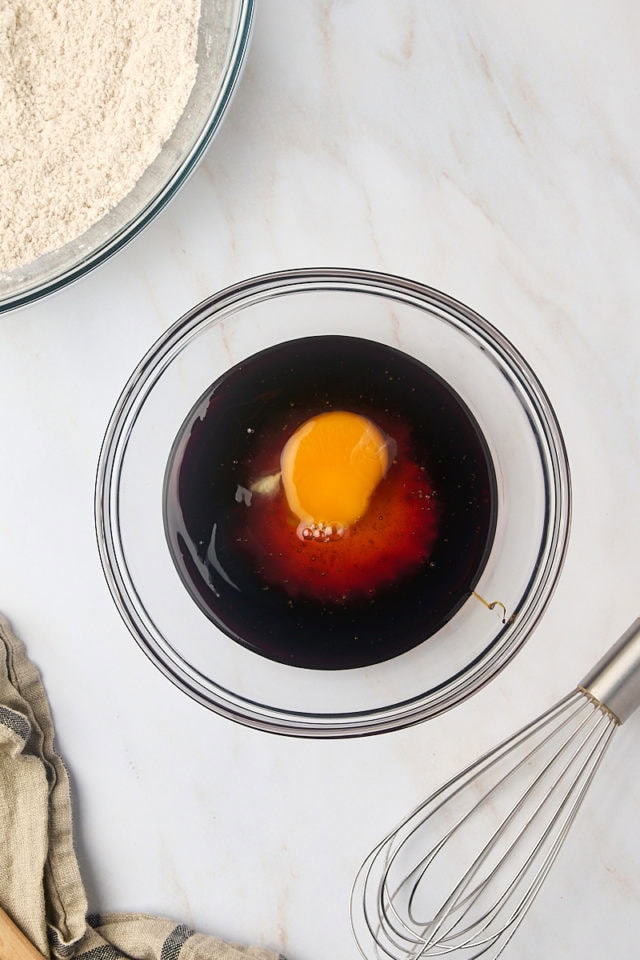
(40, 885)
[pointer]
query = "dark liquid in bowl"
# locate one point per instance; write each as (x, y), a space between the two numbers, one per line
(398, 575)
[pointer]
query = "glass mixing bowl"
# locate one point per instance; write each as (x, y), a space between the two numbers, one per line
(223, 36)
(533, 502)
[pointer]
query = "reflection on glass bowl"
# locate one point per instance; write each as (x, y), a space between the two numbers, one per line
(223, 36)
(532, 493)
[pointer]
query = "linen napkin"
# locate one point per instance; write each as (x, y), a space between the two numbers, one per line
(40, 885)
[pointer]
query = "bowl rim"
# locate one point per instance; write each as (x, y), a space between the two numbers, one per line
(168, 190)
(536, 595)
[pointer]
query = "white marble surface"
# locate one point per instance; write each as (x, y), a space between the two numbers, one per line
(490, 150)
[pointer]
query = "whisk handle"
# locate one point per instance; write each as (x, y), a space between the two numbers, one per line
(615, 680)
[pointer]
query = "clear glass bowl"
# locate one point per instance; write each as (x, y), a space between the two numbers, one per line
(223, 36)
(533, 508)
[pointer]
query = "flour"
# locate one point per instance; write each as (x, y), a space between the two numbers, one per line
(89, 92)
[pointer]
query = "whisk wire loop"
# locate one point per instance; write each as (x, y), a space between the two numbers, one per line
(521, 802)
(454, 909)
(557, 754)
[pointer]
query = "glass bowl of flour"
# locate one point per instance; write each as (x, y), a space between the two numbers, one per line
(106, 112)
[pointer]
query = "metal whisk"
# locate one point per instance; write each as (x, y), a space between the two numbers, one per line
(457, 876)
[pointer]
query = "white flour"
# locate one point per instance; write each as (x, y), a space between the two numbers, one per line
(89, 92)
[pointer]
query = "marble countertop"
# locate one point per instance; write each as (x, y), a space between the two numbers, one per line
(489, 150)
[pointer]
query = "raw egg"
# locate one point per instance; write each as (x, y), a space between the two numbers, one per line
(330, 468)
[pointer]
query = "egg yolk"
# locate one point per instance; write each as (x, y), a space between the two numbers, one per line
(330, 468)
